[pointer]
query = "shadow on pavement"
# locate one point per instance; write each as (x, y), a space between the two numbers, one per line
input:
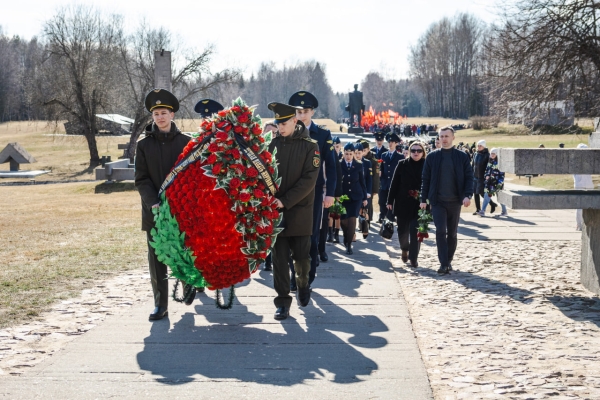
(232, 346)
(578, 308)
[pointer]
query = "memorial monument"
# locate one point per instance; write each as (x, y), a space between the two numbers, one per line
(355, 107)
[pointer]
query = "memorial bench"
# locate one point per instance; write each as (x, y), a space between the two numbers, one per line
(560, 161)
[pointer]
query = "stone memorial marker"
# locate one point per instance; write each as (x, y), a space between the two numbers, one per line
(15, 155)
(561, 161)
(162, 70)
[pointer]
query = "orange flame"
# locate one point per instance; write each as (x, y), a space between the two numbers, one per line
(371, 117)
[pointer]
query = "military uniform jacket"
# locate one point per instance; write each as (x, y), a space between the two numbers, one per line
(378, 153)
(375, 169)
(389, 161)
(368, 171)
(298, 166)
(325, 142)
(353, 180)
(155, 156)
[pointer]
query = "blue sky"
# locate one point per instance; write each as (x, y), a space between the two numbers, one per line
(352, 37)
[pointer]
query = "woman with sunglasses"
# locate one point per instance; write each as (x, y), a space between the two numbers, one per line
(404, 200)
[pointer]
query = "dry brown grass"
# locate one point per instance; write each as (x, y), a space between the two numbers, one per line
(58, 239)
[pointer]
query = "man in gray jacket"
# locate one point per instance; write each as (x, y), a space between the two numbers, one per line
(448, 185)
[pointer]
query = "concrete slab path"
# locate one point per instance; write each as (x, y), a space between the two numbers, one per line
(354, 340)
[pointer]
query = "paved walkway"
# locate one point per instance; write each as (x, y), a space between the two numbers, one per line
(354, 340)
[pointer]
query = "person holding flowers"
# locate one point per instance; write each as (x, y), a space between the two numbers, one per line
(353, 186)
(299, 162)
(156, 154)
(403, 200)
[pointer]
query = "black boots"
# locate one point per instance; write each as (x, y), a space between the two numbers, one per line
(336, 236)
(329, 235)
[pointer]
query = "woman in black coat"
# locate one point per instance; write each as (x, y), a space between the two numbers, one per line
(403, 199)
(353, 186)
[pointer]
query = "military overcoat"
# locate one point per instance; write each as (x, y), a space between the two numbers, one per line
(155, 156)
(299, 163)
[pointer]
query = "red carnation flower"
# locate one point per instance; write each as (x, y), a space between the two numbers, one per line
(222, 136)
(245, 197)
(236, 109)
(211, 159)
(234, 183)
(222, 113)
(259, 194)
(255, 148)
(216, 169)
(238, 129)
(256, 129)
(213, 148)
(233, 192)
(243, 118)
(236, 154)
(251, 172)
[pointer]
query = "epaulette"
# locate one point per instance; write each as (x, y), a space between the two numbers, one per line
(360, 162)
(310, 140)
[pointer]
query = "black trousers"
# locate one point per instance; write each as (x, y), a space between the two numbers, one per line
(324, 230)
(478, 202)
(299, 247)
(407, 235)
(314, 241)
(383, 211)
(158, 277)
(445, 217)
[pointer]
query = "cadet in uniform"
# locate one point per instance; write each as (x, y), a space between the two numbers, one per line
(333, 226)
(307, 103)
(298, 166)
(389, 161)
(207, 107)
(375, 170)
(353, 186)
(156, 154)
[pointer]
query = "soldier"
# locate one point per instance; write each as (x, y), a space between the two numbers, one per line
(389, 161)
(379, 148)
(299, 164)
(207, 107)
(307, 103)
(353, 185)
(374, 188)
(156, 154)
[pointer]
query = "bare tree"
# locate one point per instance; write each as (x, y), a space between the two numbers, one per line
(78, 70)
(191, 75)
(547, 50)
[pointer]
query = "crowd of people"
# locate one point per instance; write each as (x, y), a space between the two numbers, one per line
(407, 177)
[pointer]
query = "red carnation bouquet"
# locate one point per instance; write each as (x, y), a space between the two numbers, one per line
(218, 218)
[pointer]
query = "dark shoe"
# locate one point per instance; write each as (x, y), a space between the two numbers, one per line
(324, 257)
(349, 249)
(476, 212)
(303, 296)
(189, 294)
(158, 313)
(329, 235)
(404, 256)
(443, 270)
(268, 267)
(336, 236)
(449, 267)
(318, 262)
(282, 313)
(293, 288)
(414, 264)
(492, 208)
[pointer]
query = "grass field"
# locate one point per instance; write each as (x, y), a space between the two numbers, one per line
(58, 239)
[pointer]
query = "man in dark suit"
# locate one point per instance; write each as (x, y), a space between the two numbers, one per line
(306, 103)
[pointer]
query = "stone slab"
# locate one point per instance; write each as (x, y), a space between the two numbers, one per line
(162, 70)
(550, 199)
(549, 161)
(22, 174)
(590, 250)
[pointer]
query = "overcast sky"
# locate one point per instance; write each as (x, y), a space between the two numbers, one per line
(351, 37)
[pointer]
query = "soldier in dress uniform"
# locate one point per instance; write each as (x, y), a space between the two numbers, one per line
(389, 161)
(299, 163)
(379, 148)
(156, 154)
(333, 226)
(337, 147)
(307, 103)
(353, 186)
(207, 107)
(374, 187)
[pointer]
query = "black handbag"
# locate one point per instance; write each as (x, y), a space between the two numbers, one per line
(387, 229)
(363, 222)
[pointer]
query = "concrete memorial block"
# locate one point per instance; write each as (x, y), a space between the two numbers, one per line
(15, 154)
(561, 161)
(549, 161)
(162, 70)
(120, 170)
